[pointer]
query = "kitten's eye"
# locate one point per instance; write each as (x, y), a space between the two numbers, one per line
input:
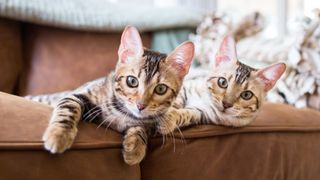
(222, 82)
(246, 95)
(132, 81)
(161, 89)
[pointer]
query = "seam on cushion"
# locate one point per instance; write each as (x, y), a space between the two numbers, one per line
(39, 145)
(189, 133)
(222, 132)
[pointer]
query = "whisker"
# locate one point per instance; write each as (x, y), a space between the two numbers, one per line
(170, 134)
(91, 114)
(92, 109)
(97, 114)
(104, 121)
(164, 138)
(173, 140)
(182, 136)
(107, 128)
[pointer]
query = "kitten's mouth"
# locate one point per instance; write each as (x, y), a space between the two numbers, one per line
(140, 115)
(122, 108)
(224, 110)
(145, 114)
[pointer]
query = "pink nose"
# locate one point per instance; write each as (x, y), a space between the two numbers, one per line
(226, 105)
(141, 106)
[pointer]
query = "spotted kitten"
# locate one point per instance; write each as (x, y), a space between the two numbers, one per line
(230, 95)
(130, 100)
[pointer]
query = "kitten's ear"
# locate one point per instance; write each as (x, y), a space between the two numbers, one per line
(181, 57)
(130, 45)
(271, 74)
(227, 51)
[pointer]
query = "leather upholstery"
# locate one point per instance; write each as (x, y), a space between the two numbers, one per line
(283, 143)
(10, 54)
(58, 59)
(40, 60)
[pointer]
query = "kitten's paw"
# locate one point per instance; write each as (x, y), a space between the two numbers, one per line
(57, 139)
(236, 122)
(134, 148)
(168, 125)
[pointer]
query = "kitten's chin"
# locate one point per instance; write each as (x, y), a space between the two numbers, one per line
(140, 114)
(135, 112)
(236, 121)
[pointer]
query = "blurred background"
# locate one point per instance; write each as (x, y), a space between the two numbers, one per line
(49, 46)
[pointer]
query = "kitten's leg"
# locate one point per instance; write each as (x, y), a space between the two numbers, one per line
(135, 145)
(62, 128)
(176, 118)
(49, 99)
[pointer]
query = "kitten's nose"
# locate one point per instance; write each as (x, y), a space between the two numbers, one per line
(226, 105)
(141, 106)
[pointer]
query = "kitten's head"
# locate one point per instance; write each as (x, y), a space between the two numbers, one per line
(238, 90)
(147, 82)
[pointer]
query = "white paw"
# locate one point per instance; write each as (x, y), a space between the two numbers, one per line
(57, 139)
(134, 149)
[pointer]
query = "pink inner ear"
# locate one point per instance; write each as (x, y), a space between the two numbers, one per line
(124, 55)
(130, 45)
(270, 75)
(222, 58)
(181, 58)
(267, 84)
(227, 51)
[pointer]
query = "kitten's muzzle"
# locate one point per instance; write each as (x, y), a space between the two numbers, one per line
(226, 105)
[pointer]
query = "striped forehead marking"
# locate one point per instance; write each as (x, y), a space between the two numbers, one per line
(152, 63)
(243, 72)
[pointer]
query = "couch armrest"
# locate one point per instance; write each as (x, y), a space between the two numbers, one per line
(96, 154)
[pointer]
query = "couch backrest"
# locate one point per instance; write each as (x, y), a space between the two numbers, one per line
(10, 55)
(54, 59)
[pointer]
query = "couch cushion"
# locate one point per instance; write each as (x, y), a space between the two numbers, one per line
(95, 155)
(58, 59)
(10, 54)
(283, 143)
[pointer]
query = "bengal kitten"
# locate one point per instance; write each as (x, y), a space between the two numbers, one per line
(131, 99)
(229, 95)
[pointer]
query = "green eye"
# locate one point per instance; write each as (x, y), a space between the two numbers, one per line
(161, 89)
(246, 95)
(132, 81)
(222, 82)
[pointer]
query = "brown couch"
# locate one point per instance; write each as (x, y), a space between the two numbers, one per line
(283, 143)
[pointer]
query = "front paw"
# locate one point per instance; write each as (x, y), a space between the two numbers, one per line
(58, 139)
(134, 149)
(166, 127)
(168, 124)
(239, 122)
